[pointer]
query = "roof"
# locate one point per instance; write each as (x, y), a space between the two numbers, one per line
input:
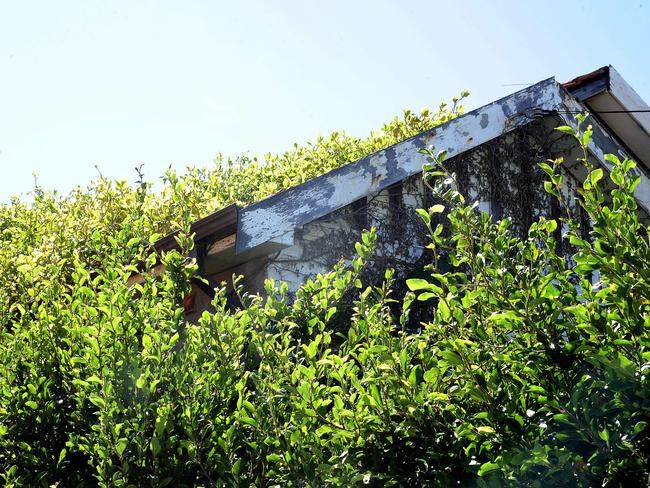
(585, 85)
(267, 225)
(615, 103)
(215, 226)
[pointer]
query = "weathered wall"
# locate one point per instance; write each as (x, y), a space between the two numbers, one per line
(502, 176)
(494, 150)
(320, 244)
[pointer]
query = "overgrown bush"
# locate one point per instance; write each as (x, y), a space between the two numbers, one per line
(532, 371)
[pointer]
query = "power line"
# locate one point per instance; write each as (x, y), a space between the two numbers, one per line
(605, 111)
(538, 112)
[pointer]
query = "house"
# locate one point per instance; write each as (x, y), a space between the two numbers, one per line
(494, 151)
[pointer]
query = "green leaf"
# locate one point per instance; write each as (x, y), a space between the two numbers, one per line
(98, 401)
(424, 215)
(120, 446)
(61, 456)
(548, 187)
(404, 358)
(416, 284)
(94, 379)
(596, 175)
(274, 458)
(551, 225)
(155, 446)
(546, 168)
(133, 241)
(452, 357)
(604, 435)
(423, 297)
(236, 467)
(566, 129)
(586, 137)
(430, 375)
(416, 375)
(443, 310)
(487, 468)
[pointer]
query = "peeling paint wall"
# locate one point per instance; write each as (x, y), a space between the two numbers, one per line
(502, 176)
(264, 220)
(320, 244)
(494, 152)
(543, 103)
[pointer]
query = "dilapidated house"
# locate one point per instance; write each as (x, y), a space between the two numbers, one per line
(494, 151)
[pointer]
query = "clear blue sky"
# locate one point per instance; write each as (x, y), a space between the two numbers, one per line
(120, 83)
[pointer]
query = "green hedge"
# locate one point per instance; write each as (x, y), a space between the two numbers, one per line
(532, 371)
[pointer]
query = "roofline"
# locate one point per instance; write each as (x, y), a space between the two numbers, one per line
(273, 219)
(590, 84)
(279, 214)
(617, 105)
(217, 225)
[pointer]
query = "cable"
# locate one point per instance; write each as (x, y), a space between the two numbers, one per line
(540, 112)
(604, 111)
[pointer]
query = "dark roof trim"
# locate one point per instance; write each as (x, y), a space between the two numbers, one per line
(589, 85)
(615, 103)
(215, 226)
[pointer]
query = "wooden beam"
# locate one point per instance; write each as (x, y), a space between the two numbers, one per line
(139, 278)
(222, 244)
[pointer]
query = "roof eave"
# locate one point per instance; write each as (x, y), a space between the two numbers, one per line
(616, 104)
(215, 226)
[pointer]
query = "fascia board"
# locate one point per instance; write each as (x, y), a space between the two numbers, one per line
(282, 213)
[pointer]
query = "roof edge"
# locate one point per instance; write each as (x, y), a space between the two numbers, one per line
(278, 214)
(217, 225)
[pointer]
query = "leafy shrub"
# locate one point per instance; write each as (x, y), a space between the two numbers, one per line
(532, 371)
(59, 230)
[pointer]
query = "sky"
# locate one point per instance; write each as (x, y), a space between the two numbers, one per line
(116, 84)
